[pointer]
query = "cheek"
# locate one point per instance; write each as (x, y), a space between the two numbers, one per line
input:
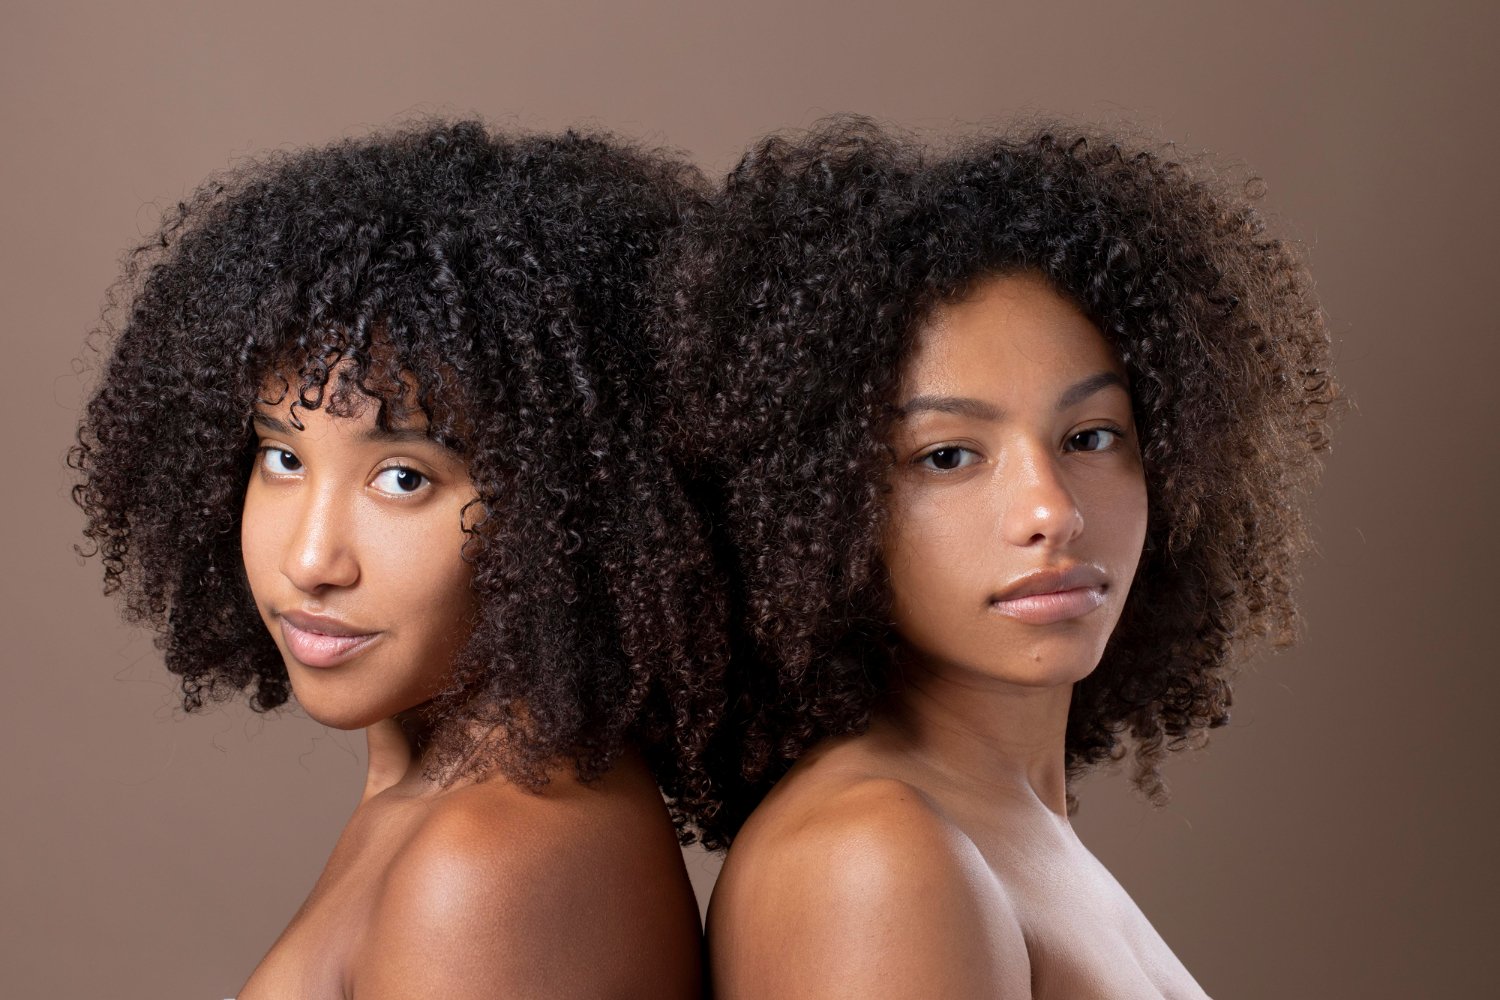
(934, 560)
(1130, 515)
(260, 540)
(422, 570)
(1116, 517)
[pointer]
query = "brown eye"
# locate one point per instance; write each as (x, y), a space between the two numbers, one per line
(400, 481)
(948, 459)
(280, 461)
(1094, 439)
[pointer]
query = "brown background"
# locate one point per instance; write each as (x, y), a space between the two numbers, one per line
(1332, 842)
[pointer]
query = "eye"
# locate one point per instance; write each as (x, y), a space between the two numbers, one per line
(279, 461)
(948, 459)
(399, 481)
(1094, 439)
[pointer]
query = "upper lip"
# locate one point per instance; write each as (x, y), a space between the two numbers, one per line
(322, 624)
(1052, 580)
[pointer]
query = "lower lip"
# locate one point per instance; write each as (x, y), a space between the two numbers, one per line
(314, 649)
(1047, 609)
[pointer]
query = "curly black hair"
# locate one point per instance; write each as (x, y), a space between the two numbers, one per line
(785, 314)
(496, 283)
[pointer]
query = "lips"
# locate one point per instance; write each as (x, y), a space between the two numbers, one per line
(1047, 596)
(320, 641)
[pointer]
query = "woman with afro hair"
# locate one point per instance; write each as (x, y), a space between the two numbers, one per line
(1003, 446)
(372, 433)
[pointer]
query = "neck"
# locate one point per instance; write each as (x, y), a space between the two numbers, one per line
(983, 735)
(396, 753)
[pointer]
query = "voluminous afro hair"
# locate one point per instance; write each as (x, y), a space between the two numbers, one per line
(786, 313)
(497, 285)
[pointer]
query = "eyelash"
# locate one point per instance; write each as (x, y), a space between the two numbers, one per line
(422, 478)
(923, 458)
(1117, 432)
(263, 455)
(265, 451)
(1119, 436)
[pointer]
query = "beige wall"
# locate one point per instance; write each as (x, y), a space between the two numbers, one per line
(1331, 842)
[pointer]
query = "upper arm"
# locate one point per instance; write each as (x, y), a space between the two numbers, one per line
(877, 898)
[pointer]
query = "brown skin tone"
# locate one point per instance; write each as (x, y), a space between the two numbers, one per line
(932, 855)
(470, 889)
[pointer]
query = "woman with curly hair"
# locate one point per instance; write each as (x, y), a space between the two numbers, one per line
(1003, 446)
(372, 433)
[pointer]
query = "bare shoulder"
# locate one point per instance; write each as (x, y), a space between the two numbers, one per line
(497, 852)
(863, 820)
(861, 887)
(500, 892)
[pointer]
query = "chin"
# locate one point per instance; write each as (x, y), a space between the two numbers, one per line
(1048, 663)
(326, 705)
(335, 716)
(1045, 675)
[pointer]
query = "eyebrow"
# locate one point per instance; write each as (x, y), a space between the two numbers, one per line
(1084, 388)
(394, 434)
(978, 409)
(960, 406)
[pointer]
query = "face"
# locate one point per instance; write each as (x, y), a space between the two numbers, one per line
(352, 539)
(1018, 503)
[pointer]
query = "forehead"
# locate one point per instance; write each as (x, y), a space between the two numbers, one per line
(372, 389)
(358, 430)
(1011, 334)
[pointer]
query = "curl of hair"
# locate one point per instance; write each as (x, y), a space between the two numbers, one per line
(786, 313)
(496, 284)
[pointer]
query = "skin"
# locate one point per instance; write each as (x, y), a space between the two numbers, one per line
(932, 855)
(466, 889)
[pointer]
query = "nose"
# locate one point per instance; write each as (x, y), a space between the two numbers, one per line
(320, 552)
(1040, 509)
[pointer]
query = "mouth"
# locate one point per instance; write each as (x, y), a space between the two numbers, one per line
(316, 641)
(1048, 596)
